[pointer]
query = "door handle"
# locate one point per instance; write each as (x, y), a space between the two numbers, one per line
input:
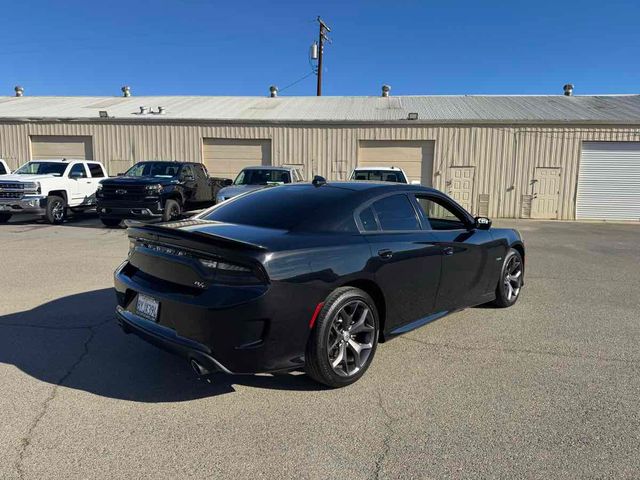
(385, 253)
(447, 251)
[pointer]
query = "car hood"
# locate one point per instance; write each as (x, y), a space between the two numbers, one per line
(124, 181)
(233, 190)
(27, 178)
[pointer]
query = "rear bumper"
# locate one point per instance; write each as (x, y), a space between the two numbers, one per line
(167, 339)
(35, 204)
(123, 210)
(244, 330)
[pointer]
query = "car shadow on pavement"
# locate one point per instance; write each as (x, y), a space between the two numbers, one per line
(75, 342)
(82, 220)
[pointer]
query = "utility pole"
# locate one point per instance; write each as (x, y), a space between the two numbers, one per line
(322, 36)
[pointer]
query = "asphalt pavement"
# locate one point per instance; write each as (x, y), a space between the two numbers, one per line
(549, 388)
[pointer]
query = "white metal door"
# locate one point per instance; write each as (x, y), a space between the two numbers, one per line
(546, 191)
(46, 147)
(414, 157)
(225, 158)
(460, 186)
(609, 181)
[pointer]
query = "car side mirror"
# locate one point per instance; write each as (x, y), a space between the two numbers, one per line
(121, 174)
(76, 175)
(415, 182)
(482, 223)
(188, 178)
(227, 181)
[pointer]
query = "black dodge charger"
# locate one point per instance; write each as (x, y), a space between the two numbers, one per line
(311, 276)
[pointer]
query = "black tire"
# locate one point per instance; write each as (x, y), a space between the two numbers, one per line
(56, 210)
(4, 217)
(510, 281)
(327, 330)
(172, 210)
(110, 222)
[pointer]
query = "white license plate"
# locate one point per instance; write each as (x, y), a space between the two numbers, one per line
(148, 307)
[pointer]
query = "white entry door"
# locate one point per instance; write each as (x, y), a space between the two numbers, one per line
(546, 190)
(460, 186)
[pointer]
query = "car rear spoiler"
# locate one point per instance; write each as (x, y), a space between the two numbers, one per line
(171, 231)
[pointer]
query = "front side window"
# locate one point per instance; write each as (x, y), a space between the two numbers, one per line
(439, 215)
(96, 170)
(154, 169)
(395, 213)
(78, 171)
(42, 168)
(255, 176)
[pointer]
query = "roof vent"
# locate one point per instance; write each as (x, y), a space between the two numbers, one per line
(19, 91)
(273, 90)
(161, 111)
(144, 110)
(568, 89)
(126, 91)
(385, 90)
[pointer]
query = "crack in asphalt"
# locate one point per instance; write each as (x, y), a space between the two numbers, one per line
(386, 440)
(524, 350)
(26, 440)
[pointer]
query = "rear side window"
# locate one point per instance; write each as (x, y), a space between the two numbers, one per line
(96, 170)
(368, 220)
(2, 169)
(396, 213)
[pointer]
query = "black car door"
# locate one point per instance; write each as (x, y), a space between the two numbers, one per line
(468, 254)
(188, 183)
(204, 193)
(405, 258)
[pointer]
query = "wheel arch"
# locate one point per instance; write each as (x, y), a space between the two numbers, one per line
(59, 193)
(375, 292)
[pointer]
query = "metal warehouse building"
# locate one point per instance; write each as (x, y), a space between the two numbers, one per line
(557, 157)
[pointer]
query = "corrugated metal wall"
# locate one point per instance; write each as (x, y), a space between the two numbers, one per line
(504, 156)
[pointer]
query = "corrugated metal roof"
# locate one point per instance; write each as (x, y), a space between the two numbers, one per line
(604, 109)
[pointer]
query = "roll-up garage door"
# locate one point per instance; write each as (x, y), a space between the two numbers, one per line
(226, 157)
(414, 157)
(609, 181)
(61, 146)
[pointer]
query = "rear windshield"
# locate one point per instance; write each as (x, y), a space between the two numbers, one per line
(288, 207)
(379, 176)
(254, 176)
(154, 169)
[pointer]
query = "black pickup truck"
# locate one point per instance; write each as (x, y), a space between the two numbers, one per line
(156, 190)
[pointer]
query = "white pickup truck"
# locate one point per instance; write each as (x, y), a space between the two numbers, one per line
(50, 188)
(4, 168)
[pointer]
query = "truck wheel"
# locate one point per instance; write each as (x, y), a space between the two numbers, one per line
(4, 217)
(110, 222)
(56, 210)
(172, 210)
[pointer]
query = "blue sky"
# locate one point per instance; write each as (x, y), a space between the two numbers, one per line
(198, 47)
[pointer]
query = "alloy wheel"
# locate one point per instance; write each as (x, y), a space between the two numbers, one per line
(351, 338)
(512, 278)
(58, 211)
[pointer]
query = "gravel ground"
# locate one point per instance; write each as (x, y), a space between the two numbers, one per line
(547, 389)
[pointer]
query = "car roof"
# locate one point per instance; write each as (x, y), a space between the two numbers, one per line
(360, 186)
(268, 167)
(395, 169)
(60, 160)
